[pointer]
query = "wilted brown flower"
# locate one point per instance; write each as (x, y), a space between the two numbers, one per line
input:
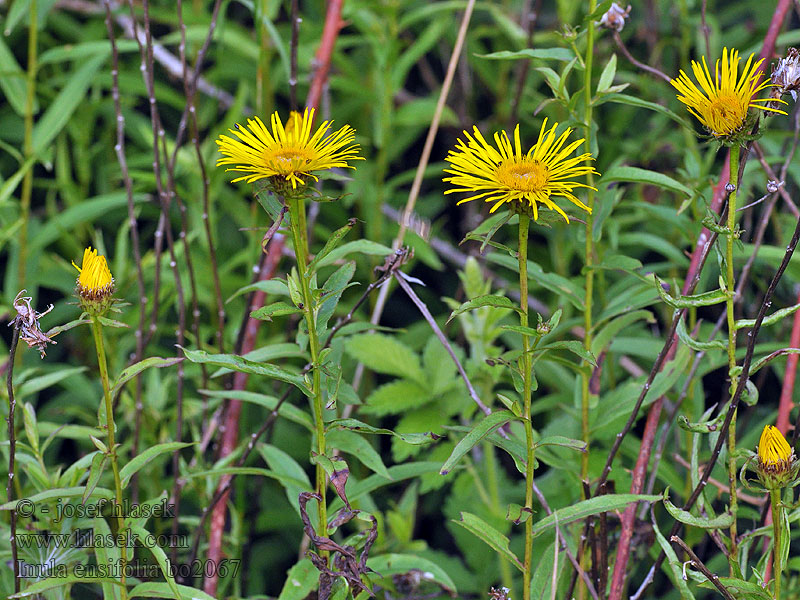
(615, 17)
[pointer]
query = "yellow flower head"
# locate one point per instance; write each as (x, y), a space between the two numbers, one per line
(721, 102)
(507, 174)
(289, 153)
(773, 449)
(95, 283)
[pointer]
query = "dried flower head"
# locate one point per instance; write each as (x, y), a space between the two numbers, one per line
(95, 284)
(721, 102)
(786, 76)
(27, 322)
(286, 155)
(777, 466)
(506, 174)
(615, 17)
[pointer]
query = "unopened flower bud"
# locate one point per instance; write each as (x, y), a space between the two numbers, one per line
(786, 77)
(95, 285)
(615, 17)
(777, 465)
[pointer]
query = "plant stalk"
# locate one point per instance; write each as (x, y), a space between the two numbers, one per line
(777, 526)
(297, 212)
(524, 223)
(97, 332)
(731, 286)
(27, 144)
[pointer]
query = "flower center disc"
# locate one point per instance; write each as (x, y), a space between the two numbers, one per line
(289, 160)
(726, 113)
(526, 176)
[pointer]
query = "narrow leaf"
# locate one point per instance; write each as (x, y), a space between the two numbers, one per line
(480, 431)
(140, 460)
(489, 535)
(135, 369)
(585, 508)
(487, 300)
(704, 299)
(637, 175)
(722, 521)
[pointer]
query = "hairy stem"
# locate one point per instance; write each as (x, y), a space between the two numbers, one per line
(297, 211)
(734, 175)
(524, 223)
(97, 332)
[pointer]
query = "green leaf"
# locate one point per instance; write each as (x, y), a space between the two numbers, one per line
(58, 113)
(704, 299)
(684, 336)
(607, 76)
(154, 589)
(350, 442)
(161, 559)
(276, 309)
(95, 471)
(385, 354)
(746, 590)
(573, 346)
(360, 246)
(637, 175)
(761, 362)
(398, 564)
(675, 565)
(135, 369)
(481, 529)
(480, 431)
(31, 430)
(13, 81)
(564, 442)
(481, 301)
(395, 397)
(56, 493)
(237, 363)
(48, 380)
(562, 54)
(605, 336)
(529, 331)
(416, 439)
(140, 460)
(301, 580)
(585, 508)
(722, 521)
(292, 476)
(330, 244)
(50, 583)
(770, 320)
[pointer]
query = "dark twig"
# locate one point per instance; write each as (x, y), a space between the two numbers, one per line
(401, 279)
(705, 28)
(12, 448)
(636, 63)
(698, 564)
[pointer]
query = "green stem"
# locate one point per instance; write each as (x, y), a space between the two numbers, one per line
(731, 286)
(97, 332)
(777, 526)
(524, 223)
(27, 147)
(589, 281)
(297, 211)
(497, 508)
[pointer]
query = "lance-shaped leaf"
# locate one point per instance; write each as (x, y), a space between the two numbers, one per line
(637, 175)
(397, 564)
(770, 320)
(135, 369)
(161, 559)
(332, 242)
(416, 439)
(562, 54)
(684, 336)
(140, 460)
(480, 431)
(242, 365)
(704, 299)
(675, 565)
(481, 301)
(585, 508)
(276, 309)
(564, 442)
(573, 346)
(722, 521)
(701, 427)
(481, 529)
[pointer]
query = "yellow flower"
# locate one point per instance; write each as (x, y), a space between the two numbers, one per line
(95, 283)
(777, 466)
(507, 174)
(289, 153)
(721, 102)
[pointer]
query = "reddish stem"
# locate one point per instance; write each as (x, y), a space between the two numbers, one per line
(322, 59)
(787, 391)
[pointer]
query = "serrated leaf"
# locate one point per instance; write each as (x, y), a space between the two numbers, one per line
(476, 434)
(395, 397)
(585, 508)
(637, 175)
(237, 363)
(140, 460)
(481, 301)
(385, 354)
(276, 309)
(488, 534)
